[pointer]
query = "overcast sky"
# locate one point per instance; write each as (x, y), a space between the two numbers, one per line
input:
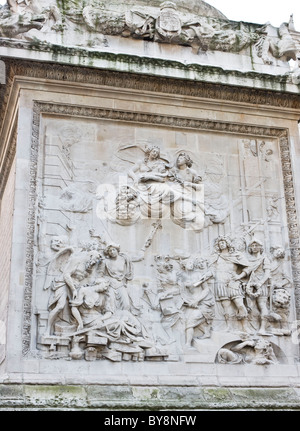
(256, 11)
(260, 11)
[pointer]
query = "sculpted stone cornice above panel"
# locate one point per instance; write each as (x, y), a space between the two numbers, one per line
(57, 26)
(133, 81)
(73, 111)
(153, 65)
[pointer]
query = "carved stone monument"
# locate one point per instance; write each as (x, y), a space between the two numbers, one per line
(150, 202)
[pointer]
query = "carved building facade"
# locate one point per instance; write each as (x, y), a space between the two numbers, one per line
(150, 201)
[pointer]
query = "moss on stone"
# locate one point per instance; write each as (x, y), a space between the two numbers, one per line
(217, 394)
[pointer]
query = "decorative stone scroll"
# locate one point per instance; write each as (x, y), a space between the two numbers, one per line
(169, 255)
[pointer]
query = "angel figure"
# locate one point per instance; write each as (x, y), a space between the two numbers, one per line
(152, 168)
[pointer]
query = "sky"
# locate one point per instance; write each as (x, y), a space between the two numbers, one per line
(256, 11)
(260, 11)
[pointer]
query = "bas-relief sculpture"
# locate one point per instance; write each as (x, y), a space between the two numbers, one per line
(167, 23)
(168, 254)
(19, 17)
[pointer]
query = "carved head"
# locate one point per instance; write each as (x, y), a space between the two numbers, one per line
(94, 257)
(58, 242)
(188, 264)
(261, 344)
(281, 298)
(201, 263)
(152, 152)
(101, 285)
(112, 250)
(163, 264)
(255, 246)
(278, 252)
(184, 159)
(224, 242)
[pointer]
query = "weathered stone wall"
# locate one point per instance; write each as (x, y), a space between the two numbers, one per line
(6, 223)
(149, 400)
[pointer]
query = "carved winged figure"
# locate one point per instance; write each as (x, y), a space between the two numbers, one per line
(75, 267)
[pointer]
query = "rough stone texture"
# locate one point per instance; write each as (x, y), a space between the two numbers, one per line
(110, 398)
(6, 218)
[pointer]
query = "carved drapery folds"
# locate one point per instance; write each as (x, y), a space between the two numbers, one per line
(150, 251)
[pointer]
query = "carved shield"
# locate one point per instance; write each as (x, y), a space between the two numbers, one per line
(169, 21)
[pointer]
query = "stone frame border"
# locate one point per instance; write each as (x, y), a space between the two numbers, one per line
(155, 84)
(40, 108)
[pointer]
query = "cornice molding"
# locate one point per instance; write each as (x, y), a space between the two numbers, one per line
(140, 82)
(141, 61)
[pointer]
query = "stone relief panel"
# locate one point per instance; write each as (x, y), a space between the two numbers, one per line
(160, 243)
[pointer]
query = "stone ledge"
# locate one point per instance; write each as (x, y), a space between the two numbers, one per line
(143, 65)
(98, 397)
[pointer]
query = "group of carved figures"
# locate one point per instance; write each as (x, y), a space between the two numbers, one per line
(91, 305)
(165, 24)
(160, 189)
(246, 285)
